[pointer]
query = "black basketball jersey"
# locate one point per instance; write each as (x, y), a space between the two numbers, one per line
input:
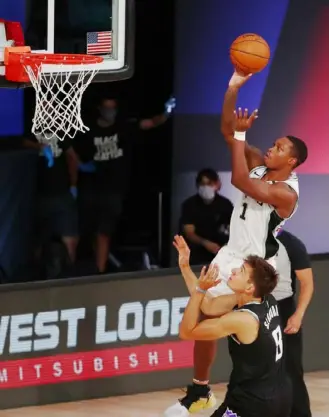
(258, 375)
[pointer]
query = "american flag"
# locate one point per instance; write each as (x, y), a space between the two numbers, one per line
(99, 43)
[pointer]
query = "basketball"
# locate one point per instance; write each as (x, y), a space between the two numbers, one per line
(250, 53)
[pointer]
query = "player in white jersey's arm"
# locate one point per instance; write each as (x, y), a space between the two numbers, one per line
(269, 197)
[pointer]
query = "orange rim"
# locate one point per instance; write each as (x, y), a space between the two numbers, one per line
(59, 59)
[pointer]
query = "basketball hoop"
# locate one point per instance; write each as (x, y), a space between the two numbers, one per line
(58, 92)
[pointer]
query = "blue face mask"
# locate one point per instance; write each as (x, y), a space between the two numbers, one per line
(108, 114)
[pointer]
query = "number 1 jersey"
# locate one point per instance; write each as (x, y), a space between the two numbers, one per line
(254, 225)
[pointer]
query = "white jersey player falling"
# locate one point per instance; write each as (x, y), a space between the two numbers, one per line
(253, 231)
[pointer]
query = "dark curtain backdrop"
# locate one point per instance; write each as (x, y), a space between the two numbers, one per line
(17, 185)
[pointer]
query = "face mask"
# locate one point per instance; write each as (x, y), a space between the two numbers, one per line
(108, 114)
(206, 192)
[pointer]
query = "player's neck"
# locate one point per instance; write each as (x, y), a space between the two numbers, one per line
(244, 299)
(277, 175)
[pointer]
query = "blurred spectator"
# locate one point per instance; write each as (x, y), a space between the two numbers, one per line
(106, 153)
(56, 192)
(205, 218)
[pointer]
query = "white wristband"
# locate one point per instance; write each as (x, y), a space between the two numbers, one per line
(200, 290)
(240, 136)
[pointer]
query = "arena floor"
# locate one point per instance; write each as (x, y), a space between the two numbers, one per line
(151, 405)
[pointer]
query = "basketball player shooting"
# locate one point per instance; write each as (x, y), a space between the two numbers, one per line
(269, 197)
(258, 384)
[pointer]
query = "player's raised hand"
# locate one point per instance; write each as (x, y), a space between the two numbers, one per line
(244, 120)
(183, 250)
(209, 277)
(238, 79)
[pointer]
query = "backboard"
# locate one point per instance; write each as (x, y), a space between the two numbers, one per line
(94, 27)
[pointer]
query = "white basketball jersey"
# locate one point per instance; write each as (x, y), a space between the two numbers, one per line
(283, 267)
(254, 225)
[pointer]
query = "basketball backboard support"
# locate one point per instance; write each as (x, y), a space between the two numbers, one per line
(96, 27)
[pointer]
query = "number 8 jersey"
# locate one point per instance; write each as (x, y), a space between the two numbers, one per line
(258, 380)
(254, 225)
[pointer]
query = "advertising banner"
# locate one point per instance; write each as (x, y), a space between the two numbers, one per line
(95, 337)
(91, 331)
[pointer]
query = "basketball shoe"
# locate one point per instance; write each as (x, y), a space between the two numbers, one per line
(197, 398)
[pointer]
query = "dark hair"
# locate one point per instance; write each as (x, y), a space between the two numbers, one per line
(300, 151)
(106, 98)
(209, 173)
(264, 276)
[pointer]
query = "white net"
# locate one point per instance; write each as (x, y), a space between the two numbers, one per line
(58, 101)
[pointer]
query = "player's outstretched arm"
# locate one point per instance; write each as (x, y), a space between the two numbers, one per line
(184, 263)
(238, 323)
(228, 120)
(190, 327)
(279, 195)
(217, 306)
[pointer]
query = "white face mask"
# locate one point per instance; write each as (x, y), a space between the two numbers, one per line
(206, 192)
